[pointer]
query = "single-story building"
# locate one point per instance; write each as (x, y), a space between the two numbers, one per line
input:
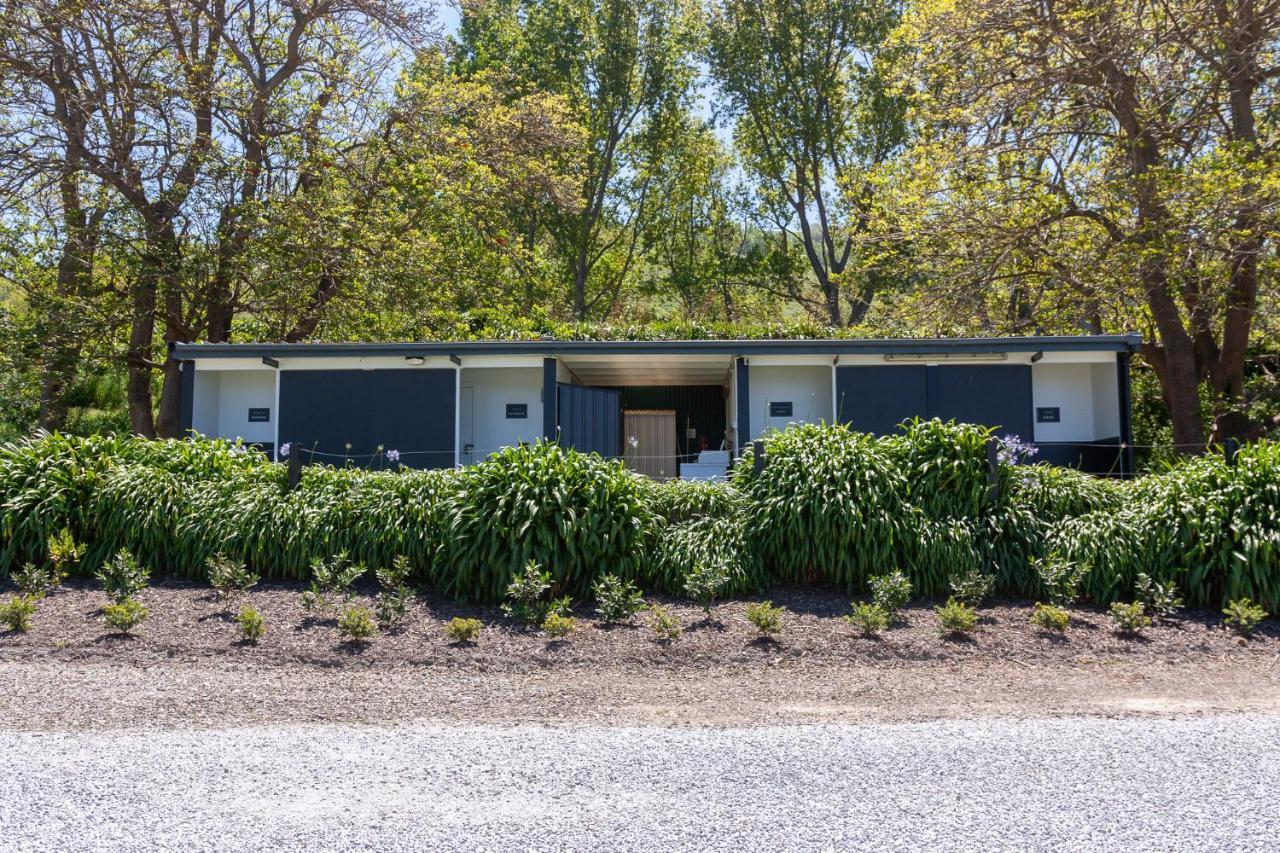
(670, 408)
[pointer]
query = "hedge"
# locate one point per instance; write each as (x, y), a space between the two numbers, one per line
(831, 506)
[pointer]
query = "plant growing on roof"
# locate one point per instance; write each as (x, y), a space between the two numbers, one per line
(331, 582)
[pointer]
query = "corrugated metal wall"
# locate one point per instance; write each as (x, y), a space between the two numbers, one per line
(590, 419)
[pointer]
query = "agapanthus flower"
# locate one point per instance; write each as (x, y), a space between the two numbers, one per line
(284, 450)
(393, 455)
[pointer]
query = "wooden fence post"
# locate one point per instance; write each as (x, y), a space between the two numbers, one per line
(757, 457)
(1230, 448)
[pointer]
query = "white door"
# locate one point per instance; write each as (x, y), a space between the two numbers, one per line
(466, 424)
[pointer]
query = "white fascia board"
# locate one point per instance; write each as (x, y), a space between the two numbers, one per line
(817, 359)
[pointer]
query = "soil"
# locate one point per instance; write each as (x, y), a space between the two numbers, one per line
(186, 665)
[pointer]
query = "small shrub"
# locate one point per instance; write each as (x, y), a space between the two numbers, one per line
(891, 592)
(617, 600)
(1050, 617)
(1159, 599)
(331, 582)
(121, 576)
(355, 624)
(973, 587)
(557, 626)
(251, 624)
(33, 581)
(525, 593)
(665, 624)
(392, 605)
(125, 614)
(462, 630)
(1244, 616)
(766, 618)
(64, 554)
(1061, 578)
(229, 577)
(17, 612)
(1129, 618)
(705, 582)
(869, 619)
(957, 617)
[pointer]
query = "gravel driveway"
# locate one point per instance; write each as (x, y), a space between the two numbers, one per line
(1068, 784)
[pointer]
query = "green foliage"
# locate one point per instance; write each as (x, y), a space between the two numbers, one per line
(557, 626)
(65, 555)
(973, 587)
(16, 613)
(1161, 600)
(617, 600)
(331, 582)
(122, 577)
(766, 617)
(1050, 617)
(251, 624)
(542, 503)
(704, 583)
(392, 604)
(34, 581)
(867, 618)
(1243, 615)
(665, 624)
(1129, 618)
(890, 592)
(355, 624)
(1060, 578)
(956, 617)
(463, 630)
(229, 577)
(526, 597)
(721, 546)
(125, 614)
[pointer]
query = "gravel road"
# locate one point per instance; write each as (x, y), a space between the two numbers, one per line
(1067, 784)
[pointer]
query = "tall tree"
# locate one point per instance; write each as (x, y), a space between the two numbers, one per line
(625, 69)
(1104, 149)
(814, 117)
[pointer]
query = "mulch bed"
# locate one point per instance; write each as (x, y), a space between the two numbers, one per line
(188, 621)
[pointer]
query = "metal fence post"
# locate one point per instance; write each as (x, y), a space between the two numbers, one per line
(295, 465)
(1230, 448)
(757, 456)
(993, 470)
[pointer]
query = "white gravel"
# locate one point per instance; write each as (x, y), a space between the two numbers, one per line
(1070, 784)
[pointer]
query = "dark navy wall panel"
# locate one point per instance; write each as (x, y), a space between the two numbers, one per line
(876, 398)
(993, 395)
(590, 419)
(743, 392)
(186, 396)
(407, 410)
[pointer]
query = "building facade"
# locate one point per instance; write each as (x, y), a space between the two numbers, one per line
(667, 407)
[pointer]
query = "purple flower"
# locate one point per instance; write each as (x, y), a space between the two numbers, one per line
(1013, 450)
(393, 455)
(284, 450)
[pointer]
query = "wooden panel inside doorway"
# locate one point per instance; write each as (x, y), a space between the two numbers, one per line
(654, 450)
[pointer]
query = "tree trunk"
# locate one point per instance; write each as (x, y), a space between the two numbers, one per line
(142, 332)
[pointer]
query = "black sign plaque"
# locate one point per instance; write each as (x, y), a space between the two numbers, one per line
(517, 410)
(779, 410)
(1048, 415)
(259, 416)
